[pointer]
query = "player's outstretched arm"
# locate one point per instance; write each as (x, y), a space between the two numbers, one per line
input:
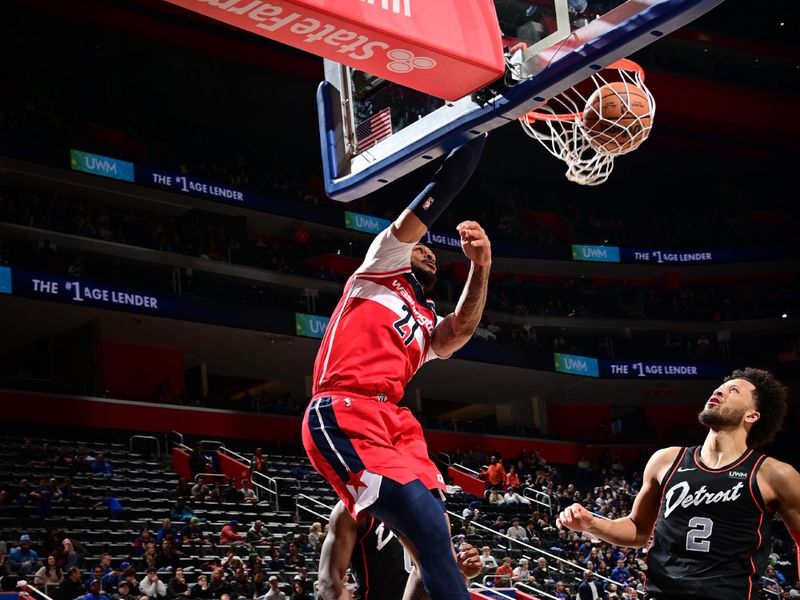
(335, 554)
(445, 185)
(456, 329)
(634, 530)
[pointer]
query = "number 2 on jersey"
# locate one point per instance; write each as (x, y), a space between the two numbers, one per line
(400, 326)
(696, 538)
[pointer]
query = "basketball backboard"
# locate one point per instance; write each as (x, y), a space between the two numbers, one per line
(373, 131)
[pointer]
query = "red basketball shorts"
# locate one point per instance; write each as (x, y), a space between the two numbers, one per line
(354, 442)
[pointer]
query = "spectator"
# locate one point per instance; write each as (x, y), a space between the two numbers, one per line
(521, 572)
(260, 461)
(241, 588)
(51, 541)
(102, 466)
(181, 512)
(49, 575)
(68, 494)
(276, 563)
(512, 498)
(530, 531)
(168, 557)
(177, 587)
(72, 586)
(488, 562)
(44, 499)
(193, 534)
(129, 575)
(562, 592)
(115, 509)
(621, 574)
(258, 534)
(515, 532)
(218, 585)
(588, 589)
(247, 493)
(105, 563)
(198, 461)
(293, 558)
(495, 498)
(200, 490)
(152, 587)
(612, 592)
(302, 577)
(512, 479)
(94, 591)
(201, 591)
(542, 573)
(494, 474)
(299, 592)
(111, 580)
(274, 593)
(315, 534)
(149, 558)
(182, 489)
(23, 560)
(140, 541)
(168, 530)
(65, 556)
(123, 592)
(228, 535)
(504, 573)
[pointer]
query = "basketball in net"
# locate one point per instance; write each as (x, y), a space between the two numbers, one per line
(617, 118)
(591, 123)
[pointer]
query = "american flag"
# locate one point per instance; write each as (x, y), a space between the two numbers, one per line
(374, 129)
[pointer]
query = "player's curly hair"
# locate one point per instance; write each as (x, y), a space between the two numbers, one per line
(771, 401)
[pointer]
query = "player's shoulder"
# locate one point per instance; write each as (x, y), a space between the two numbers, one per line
(778, 472)
(665, 456)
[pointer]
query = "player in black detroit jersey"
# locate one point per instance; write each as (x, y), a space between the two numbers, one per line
(709, 509)
(381, 568)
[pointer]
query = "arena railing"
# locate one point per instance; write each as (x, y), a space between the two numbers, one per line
(539, 498)
(236, 455)
(777, 583)
(526, 587)
(299, 506)
(145, 437)
(466, 469)
(266, 484)
(539, 551)
(175, 434)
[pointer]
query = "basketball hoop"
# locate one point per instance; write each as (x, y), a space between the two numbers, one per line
(560, 124)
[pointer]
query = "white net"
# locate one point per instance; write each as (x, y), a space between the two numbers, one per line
(588, 125)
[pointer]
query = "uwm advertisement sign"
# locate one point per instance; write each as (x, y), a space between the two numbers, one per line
(440, 47)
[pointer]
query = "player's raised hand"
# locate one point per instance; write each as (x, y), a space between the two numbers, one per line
(469, 563)
(475, 243)
(575, 517)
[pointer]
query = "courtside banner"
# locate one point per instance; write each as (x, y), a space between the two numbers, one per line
(441, 47)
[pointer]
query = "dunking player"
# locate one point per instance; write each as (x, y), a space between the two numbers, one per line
(382, 570)
(384, 329)
(711, 505)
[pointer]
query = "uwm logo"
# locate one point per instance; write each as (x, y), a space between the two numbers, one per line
(396, 6)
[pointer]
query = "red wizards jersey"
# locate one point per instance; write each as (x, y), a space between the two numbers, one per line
(380, 332)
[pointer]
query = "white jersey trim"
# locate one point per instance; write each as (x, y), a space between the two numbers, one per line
(386, 255)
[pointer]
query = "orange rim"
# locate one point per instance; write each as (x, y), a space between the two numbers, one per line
(623, 64)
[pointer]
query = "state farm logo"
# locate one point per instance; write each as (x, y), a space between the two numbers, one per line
(405, 61)
(397, 6)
